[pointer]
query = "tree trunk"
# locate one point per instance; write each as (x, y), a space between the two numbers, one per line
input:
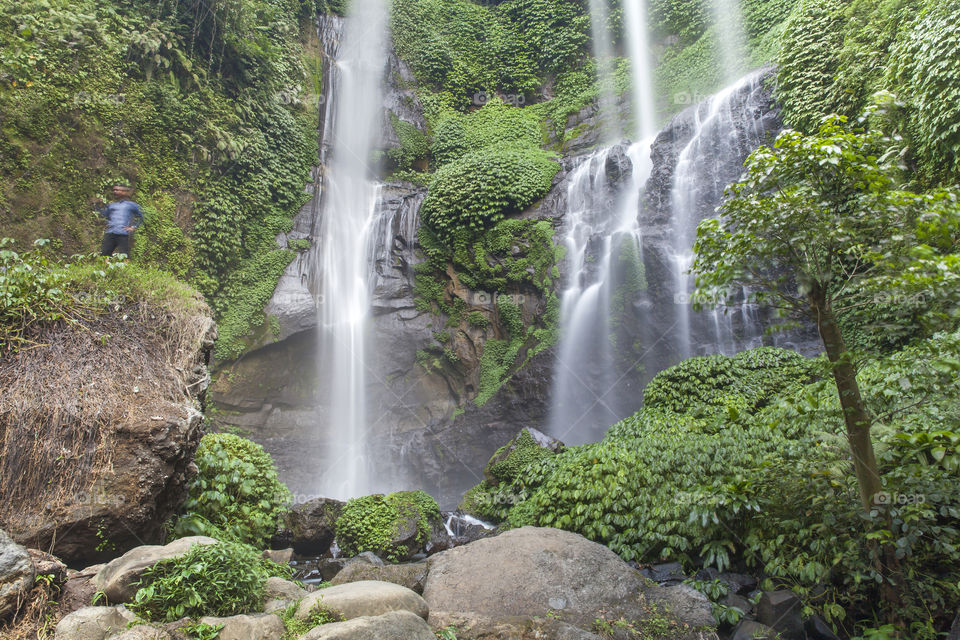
(855, 414)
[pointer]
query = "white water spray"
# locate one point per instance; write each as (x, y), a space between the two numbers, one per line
(585, 399)
(603, 53)
(638, 43)
(699, 179)
(340, 255)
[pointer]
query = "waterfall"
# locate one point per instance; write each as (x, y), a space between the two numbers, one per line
(603, 53)
(585, 398)
(724, 129)
(635, 25)
(340, 258)
(731, 39)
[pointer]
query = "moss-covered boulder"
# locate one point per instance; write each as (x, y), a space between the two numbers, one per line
(394, 526)
(527, 447)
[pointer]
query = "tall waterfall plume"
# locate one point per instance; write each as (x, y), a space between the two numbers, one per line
(340, 263)
(638, 44)
(606, 66)
(701, 174)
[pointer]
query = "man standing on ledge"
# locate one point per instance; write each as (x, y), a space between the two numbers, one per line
(123, 216)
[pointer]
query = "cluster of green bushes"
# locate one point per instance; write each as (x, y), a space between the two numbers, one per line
(207, 112)
(372, 523)
(742, 462)
(836, 55)
(236, 494)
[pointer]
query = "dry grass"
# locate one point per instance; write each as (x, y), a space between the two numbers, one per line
(37, 620)
(64, 396)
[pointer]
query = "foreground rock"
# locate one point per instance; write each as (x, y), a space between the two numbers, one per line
(413, 576)
(364, 598)
(17, 573)
(118, 440)
(312, 525)
(532, 572)
(261, 626)
(118, 578)
(94, 623)
(395, 625)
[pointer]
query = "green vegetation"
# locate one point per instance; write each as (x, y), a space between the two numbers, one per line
(371, 523)
(36, 288)
(220, 579)
(762, 485)
(295, 627)
(836, 55)
(816, 210)
(207, 112)
(236, 494)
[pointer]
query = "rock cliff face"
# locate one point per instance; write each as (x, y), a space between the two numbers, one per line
(99, 430)
(427, 430)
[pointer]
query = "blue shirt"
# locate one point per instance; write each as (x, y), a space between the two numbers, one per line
(120, 214)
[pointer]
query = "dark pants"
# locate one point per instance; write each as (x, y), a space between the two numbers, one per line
(119, 242)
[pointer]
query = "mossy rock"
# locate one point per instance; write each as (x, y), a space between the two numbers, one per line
(394, 527)
(527, 447)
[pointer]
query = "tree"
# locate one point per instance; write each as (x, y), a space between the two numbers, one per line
(804, 229)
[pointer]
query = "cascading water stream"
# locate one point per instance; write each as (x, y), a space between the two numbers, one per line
(730, 38)
(340, 256)
(700, 176)
(638, 43)
(585, 400)
(603, 53)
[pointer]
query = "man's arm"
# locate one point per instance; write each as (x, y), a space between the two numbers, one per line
(136, 216)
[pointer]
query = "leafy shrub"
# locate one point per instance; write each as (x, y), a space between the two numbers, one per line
(370, 523)
(473, 193)
(926, 65)
(704, 385)
(220, 579)
(509, 460)
(771, 487)
(236, 494)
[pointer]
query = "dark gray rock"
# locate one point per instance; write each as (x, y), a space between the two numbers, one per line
(781, 610)
(312, 525)
(818, 629)
(17, 573)
(739, 582)
(734, 600)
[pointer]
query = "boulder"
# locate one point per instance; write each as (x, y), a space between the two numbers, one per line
(48, 565)
(525, 447)
(684, 602)
(329, 567)
(280, 556)
(364, 598)
(752, 630)
(312, 525)
(259, 626)
(393, 625)
(79, 589)
(111, 476)
(280, 589)
(411, 575)
(17, 573)
(781, 610)
(143, 632)
(473, 627)
(93, 623)
(818, 629)
(118, 578)
(739, 582)
(529, 572)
